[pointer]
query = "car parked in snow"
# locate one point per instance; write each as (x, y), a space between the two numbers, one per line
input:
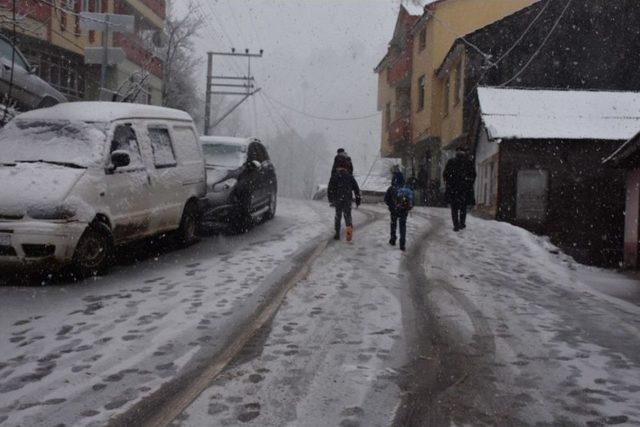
(79, 179)
(241, 181)
(28, 90)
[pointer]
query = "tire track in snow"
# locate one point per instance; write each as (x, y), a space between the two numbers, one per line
(162, 407)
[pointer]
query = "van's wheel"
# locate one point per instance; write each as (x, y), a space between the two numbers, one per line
(94, 251)
(189, 224)
(273, 204)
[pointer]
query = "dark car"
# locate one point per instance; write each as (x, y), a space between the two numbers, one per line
(28, 90)
(241, 181)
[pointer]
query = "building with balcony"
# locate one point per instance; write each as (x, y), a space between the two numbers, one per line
(394, 87)
(51, 37)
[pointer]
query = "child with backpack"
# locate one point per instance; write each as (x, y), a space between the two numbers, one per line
(399, 200)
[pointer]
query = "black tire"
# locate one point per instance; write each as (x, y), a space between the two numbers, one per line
(273, 204)
(94, 252)
(189, 225)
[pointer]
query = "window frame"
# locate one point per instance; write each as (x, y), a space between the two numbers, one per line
(457, 84)
(422, 39)
(387, 116)
(446, 96)
(151, 128)
(422, 90)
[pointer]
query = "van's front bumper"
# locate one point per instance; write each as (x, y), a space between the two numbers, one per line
(29, 242)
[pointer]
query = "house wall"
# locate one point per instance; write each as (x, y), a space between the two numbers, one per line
(632, 214)
(487, 156)
(585, 201)
(450, 19)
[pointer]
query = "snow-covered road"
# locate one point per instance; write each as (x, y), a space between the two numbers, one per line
(81, 353)
(492, 325)
(334, 353)
(524, 334)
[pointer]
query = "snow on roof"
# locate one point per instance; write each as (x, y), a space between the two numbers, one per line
(559, 114)
(97, 111)
(225, 140)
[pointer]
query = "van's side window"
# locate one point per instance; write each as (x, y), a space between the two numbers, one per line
(163, 153)
(188, 148)
(124, 138)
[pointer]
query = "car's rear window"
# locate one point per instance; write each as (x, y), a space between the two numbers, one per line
(225, 155)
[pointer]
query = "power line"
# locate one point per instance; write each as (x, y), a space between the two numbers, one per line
(535, 54)
(450, 28)
(508, 51)
(295, 132)
(334, 119)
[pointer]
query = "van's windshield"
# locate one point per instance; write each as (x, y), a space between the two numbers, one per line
(225, 155)
(54, 141)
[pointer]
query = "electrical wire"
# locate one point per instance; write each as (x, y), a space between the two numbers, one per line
(535, 54)
(508, 51)
(333, 119)
(295, 132)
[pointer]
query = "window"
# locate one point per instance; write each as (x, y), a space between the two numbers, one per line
(189, 148)
(421, 93)
(124, 138)
(6, 51)
(387, 116)
(422, 39)
(458, 84)
(163, 154)
(447, 89)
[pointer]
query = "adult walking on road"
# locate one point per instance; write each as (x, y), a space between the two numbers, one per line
(459, 178)
(342, 188)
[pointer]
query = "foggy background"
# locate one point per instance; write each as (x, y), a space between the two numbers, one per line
(319, 57)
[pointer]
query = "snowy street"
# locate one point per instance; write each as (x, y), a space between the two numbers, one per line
(492, 325)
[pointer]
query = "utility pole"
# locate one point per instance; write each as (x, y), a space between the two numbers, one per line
(231, 85)
(105, 52)
(207, 105)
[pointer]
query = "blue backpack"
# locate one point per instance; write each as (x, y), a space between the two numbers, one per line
(404, 199)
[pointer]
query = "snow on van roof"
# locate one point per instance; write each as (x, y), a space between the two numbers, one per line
(225, 140)
(559, 114)
(96, 111)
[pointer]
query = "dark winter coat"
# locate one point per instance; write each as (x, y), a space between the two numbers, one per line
(342, 160)
(342, 186)
(391, 195)
(459, 177)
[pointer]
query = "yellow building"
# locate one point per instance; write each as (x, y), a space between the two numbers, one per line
(435, 114)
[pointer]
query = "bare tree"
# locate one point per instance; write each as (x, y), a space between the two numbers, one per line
(179, 89)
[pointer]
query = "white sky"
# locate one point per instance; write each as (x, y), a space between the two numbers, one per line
(319, 57)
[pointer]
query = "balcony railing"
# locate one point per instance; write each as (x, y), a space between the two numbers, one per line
(134, 50)
(400, 72)
(400, 130)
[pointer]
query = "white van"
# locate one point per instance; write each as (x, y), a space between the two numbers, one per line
(78, 179)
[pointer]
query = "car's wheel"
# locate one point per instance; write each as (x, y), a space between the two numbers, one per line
(189, 224)
(273, 204)
(94, 251)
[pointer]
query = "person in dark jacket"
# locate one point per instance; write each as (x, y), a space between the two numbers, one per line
(342, 160)
(459, 177)
(399, 200)
(342, 187)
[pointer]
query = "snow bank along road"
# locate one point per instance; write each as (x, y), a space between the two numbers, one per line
(489, 326)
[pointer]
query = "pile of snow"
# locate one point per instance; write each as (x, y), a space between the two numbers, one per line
(559, 114)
